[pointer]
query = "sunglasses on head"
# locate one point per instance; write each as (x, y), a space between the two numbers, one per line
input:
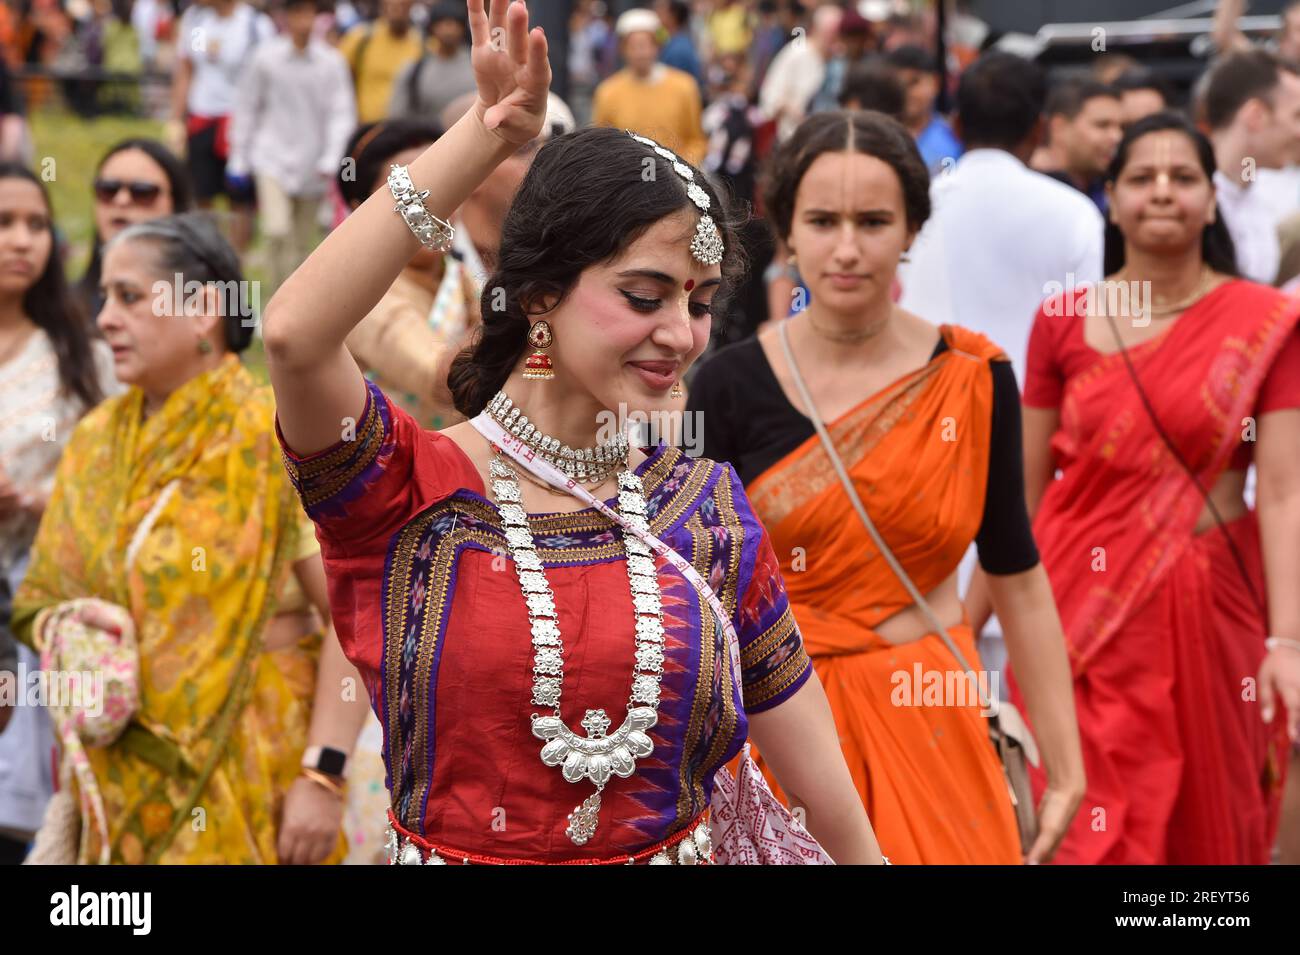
(142, 193)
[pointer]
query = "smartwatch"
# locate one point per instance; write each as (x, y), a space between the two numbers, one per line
(325, 759)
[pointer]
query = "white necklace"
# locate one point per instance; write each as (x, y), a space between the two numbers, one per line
(588, 465)
(595, 756)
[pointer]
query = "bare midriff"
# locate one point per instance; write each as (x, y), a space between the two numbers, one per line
(910, 624)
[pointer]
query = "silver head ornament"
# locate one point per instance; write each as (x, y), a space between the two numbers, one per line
(707, 245)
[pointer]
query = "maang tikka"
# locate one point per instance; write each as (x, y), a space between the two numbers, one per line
(707, 246)
(538, 365)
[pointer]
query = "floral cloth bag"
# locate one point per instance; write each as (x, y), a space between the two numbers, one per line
(95, 718)
(67, 645)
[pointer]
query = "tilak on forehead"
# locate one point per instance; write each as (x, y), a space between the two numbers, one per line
(706, 246)
(1164, 149)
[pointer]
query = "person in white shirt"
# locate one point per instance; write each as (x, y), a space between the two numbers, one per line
(798, 70)
(146, 15)
(214, 42)
(1251, 103)
(1001, 237)
(293, 114)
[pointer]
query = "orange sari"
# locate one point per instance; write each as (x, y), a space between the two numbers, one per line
(917, 452)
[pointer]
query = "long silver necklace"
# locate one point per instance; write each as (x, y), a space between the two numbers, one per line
(589, 465)
(595, 756)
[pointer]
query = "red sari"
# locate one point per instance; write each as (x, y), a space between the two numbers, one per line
(1164, 633)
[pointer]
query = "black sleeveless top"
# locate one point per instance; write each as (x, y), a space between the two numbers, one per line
(737, 388)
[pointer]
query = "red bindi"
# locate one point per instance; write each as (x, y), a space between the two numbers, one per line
(690, 284)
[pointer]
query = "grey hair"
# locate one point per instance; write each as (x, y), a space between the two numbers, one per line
(192, 249)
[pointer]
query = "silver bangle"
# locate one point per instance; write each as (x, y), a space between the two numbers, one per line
(432, 232)
(1272, 643)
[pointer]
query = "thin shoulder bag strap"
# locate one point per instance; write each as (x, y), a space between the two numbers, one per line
(523, 455)
(926, 610)
(1182, 461)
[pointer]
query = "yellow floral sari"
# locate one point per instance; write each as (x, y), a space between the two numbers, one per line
(200, 774)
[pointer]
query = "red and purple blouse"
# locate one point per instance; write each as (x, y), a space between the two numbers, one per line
(427, 606)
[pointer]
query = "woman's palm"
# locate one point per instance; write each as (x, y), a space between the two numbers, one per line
(511, 70)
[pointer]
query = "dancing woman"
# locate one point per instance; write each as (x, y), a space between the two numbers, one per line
(610, 257)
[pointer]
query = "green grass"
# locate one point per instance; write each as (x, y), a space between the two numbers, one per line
(68, 147)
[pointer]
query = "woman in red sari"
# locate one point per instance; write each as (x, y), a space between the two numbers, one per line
(1166, 581)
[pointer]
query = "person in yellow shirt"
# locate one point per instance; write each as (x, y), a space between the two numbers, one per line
(376, 53)
(647, 96)
(729, 27)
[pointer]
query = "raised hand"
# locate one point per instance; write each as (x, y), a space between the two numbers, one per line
(510, 68)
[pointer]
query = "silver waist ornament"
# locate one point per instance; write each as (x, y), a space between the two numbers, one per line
(597, 755)
(693, 847)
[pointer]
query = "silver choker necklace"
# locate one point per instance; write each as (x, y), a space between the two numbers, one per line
(587, 465)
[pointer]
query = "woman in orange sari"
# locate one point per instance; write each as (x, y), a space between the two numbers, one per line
(1166, 581)
(926, 420)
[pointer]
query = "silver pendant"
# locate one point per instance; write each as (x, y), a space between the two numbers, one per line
(597, 756)
(582, 821)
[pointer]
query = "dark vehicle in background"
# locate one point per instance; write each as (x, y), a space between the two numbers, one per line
(1067, 36)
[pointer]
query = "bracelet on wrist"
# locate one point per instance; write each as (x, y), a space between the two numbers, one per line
(1272, 643)
(432, 232)
(320, 779)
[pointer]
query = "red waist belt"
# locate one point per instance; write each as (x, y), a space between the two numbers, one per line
(691, 845)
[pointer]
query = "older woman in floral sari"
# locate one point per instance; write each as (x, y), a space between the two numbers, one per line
(171, 502)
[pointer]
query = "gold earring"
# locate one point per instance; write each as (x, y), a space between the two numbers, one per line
(676, 390)
(205, 347)
(538, 367)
